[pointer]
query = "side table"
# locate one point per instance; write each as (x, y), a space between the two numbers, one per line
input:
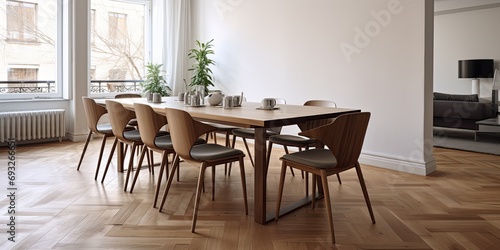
(491, 125)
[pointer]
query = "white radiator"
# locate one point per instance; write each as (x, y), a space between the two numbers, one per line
(32, 125)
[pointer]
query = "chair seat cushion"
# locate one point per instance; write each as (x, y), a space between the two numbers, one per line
(164, 142)
(104, 128)
(317, 158)
(291, 140)
(132, 135)
(207, 152)
(250, 132)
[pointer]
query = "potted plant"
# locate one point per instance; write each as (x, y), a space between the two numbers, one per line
(202, 74)
(155, 84)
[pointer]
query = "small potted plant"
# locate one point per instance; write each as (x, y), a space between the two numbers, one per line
(202, 74)
(155, 85)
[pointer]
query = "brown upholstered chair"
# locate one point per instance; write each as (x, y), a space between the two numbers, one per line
(119, 117)
(344, 138)
(185, 132)
(150, 123)
(93, 113)
(301, 142)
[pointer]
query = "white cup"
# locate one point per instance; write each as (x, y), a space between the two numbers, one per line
(227, 102)
(268, 103)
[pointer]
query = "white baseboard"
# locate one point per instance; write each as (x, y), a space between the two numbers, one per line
(398, 164)
(76, 137)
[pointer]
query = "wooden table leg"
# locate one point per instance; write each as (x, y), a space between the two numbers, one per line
(119, 157)
(260, 176)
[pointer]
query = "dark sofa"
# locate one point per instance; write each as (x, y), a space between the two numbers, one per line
(460, 111)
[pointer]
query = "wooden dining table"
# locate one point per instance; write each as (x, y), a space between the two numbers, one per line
(249, 116)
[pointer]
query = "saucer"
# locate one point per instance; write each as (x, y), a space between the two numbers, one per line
(261, 108)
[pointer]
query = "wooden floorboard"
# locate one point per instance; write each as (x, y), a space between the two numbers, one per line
(58, 207)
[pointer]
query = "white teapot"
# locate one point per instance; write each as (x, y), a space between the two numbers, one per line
(215, 98)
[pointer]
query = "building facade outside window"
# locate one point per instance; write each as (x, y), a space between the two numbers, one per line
(30, 33)
(120, 44)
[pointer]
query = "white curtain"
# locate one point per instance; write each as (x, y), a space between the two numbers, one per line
(171, 40)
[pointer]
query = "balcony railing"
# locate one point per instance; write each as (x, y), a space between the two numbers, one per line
(107, 86)
(96, 86)
(28, 86)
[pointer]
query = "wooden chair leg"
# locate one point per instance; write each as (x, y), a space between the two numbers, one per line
(307, 183)
(228, 144)
(314, 182)
(269, 150)
(213, 183)
(365, 191)
(231, 164)
(244, 184)
(287, 152)
(326, 191)
(84, 149)
(248, 151)
(115, 141)
(152, 162)
(302, 171)
(201, 177)
(280, 190)
(338, 178)
(130, 165)
(175, 165)
(164, 163)
(178, 173)
(103, 145)
(144, 151)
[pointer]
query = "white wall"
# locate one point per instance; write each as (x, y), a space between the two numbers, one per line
(465, 35)
(292, 49)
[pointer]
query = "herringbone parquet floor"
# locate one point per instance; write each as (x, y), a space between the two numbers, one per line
(58, 207)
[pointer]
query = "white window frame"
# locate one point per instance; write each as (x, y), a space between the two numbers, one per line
(147, 43)
(58, 77)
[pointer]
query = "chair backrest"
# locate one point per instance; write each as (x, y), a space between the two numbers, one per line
(119, 117)
(316, 123)
(150, 123)
(321, 103)
(93, 112)
(184, 131)
(344, 137)
(127, 95)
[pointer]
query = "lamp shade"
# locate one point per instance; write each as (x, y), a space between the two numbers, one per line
(476, 68)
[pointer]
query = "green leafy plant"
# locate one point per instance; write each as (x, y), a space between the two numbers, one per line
(202, 74)
(154, 82)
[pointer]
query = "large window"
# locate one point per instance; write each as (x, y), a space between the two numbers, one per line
(119, 41)
(30, 33)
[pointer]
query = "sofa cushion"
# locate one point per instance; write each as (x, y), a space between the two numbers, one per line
(455, 97)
